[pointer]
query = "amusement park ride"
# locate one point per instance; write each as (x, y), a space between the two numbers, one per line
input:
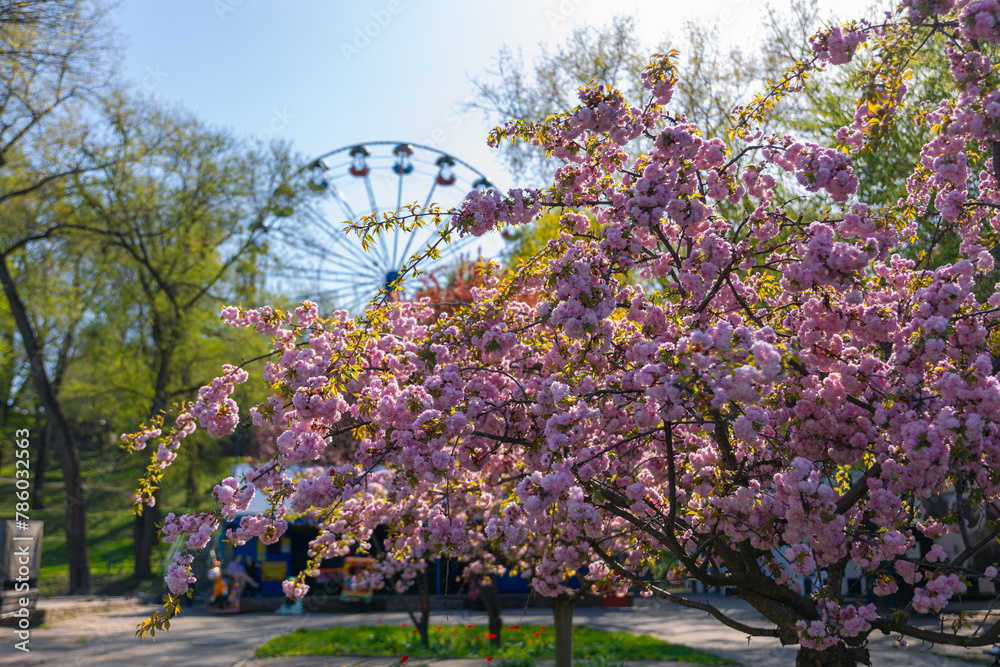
(317, 260)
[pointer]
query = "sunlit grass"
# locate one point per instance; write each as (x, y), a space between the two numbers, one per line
(520, 642)
(109, 477)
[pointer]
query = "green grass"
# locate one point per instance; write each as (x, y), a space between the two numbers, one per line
(110, 479)
(521, 643)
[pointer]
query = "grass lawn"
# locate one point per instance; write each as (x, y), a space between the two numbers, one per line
(522, 644)
(110, 478)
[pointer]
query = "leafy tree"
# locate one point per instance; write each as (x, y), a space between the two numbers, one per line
(52, 61)
(182, 210)
(708, 83)
(784, 407)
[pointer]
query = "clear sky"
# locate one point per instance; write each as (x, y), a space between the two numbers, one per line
(325, 74)
(306, 71)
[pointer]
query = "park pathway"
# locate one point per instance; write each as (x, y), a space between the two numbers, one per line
(199, 640)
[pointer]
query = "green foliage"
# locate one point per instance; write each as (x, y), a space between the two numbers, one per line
(515, 91)
(829, 104)
(522, 644)
(709, 80)
(517, 662)
(123, 270)
(527, 241)
(109, 476)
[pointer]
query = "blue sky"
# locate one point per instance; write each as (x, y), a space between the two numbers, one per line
(325, 74)
(303, 70)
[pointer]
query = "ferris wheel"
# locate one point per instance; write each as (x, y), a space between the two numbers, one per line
(316, 260)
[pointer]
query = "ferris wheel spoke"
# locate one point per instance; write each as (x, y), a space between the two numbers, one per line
(383, 253)
(321, 273)
(353, 259)
(339, 196)
(313, 249)
(427, 202)
(454, 256)
(317, 258)
(395, 250)
(351, 273)
(406, 249)
(371, 193)
(362, 270)
(351, 248)
(357, 302)
(314, 273)
(346, 261)
(399, 191)
(340, 275)
(450, 248)
(332, 231)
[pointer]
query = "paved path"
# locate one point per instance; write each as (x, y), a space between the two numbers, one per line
(198, 640)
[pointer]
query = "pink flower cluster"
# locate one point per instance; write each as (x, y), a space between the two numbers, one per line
(764, 387)
(883, 102)
(265, 320)
(483, 212)
(920, 10)
(231, 497)
(936, 593)
(214, 409)
(267, 530)
(817, 168)
(836, 621)
(659, 79)
(179, 577)
(980, 19)
(837, 46)
(197, 528)
(293, 589)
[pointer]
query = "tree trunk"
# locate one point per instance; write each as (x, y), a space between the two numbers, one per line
(192, 491)
(144, 538)
(562, 615)
(491, 600)
(45, 445)
(144, 527)
(77, 549)
(41, 463)
(425, 609)
(422, 621)
(838, 655)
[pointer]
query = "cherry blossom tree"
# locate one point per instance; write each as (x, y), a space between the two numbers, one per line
(786, 402)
